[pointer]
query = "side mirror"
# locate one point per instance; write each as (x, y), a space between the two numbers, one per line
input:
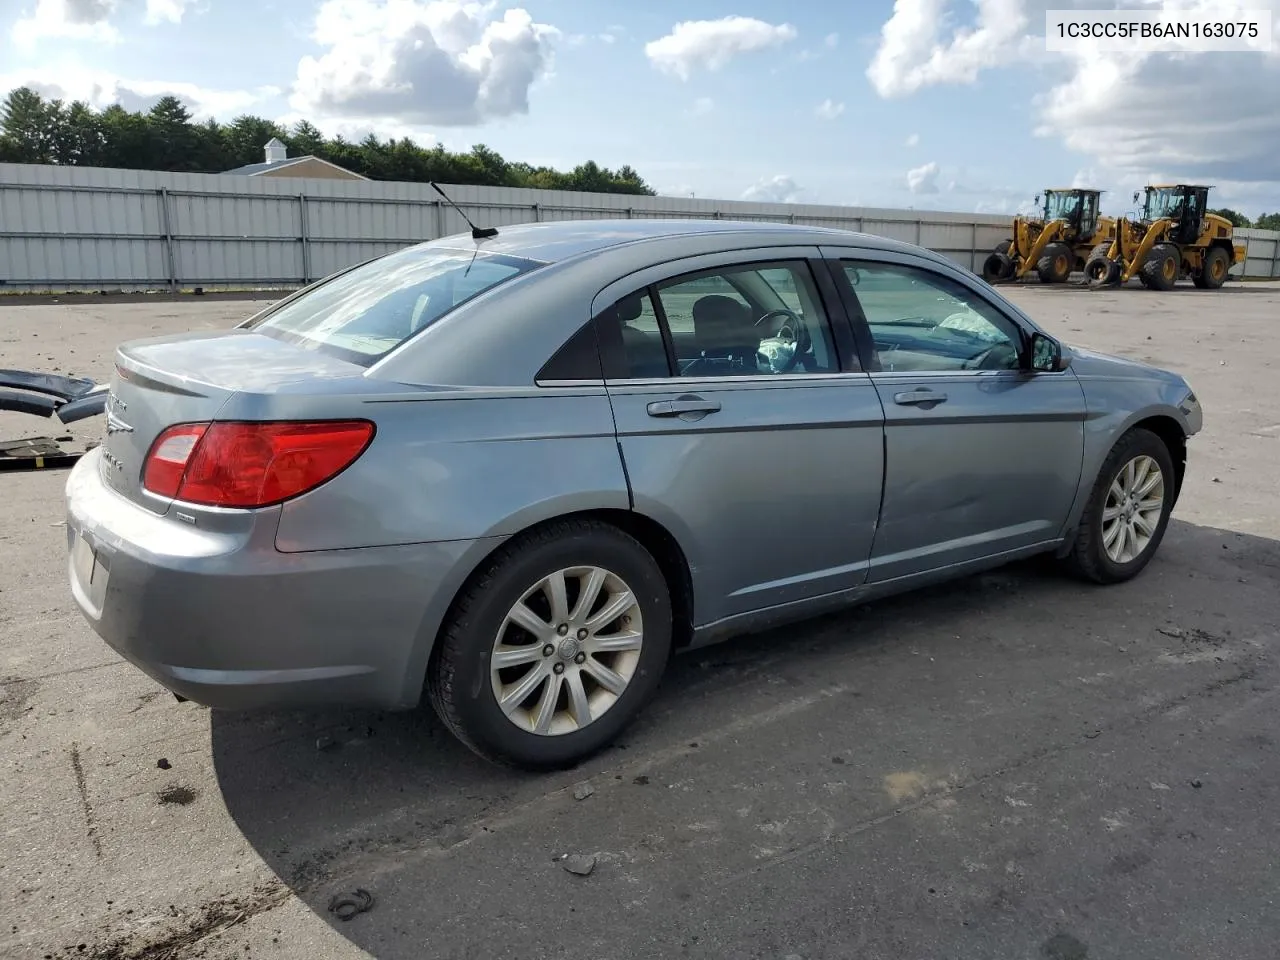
(1136, 196)
(1046, 354)
(1037, 201)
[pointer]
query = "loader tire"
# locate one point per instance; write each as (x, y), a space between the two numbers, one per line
(1161, 268)
(1213, 272)
(1055, 263)
(997, 267)
(1102, 271)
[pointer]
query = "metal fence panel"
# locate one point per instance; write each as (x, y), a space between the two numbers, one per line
(1263, 253)
(67, 228)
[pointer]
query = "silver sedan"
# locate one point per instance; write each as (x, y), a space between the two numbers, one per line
(517, 472)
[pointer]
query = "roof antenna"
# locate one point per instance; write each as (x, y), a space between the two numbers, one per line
(476, 232)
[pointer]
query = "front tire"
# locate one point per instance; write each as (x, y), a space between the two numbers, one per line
(1128, 510)
(1055, 263)
(1162, 266)
(554, 646)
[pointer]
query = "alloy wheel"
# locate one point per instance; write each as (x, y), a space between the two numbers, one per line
(566, 651)
(1132, 510)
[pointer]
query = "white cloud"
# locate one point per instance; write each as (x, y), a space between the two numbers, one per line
(443, 62)
(100, 90)
(166, 11)
(831, 39)
(911, 55)
(923, 179)
(1190, 114)
(778, 189)
(829, 110)
(1084, 179)
(913, 139)
(67, 20)
(711, 44)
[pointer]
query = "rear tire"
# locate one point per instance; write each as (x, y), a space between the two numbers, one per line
(1162, 266)
(1115, 511)
(1055, 263)
(1213, 271)
(491, 612)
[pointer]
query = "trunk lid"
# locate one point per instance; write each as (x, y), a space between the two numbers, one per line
(189, 378)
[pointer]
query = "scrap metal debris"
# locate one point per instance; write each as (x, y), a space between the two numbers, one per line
(44, 395)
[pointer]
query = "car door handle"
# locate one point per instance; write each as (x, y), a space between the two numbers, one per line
(919, 396)
(682, 406)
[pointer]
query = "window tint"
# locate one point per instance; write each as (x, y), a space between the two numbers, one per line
(737, 321)
(923, 321)
(364, 314)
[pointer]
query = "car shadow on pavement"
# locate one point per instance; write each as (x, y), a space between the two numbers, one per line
(322, 795)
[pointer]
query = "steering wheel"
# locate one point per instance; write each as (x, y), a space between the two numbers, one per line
(792, 331)
(1000, 352)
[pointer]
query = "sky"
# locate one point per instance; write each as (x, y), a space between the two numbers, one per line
(928, 104)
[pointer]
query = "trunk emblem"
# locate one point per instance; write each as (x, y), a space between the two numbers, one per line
(116, 425)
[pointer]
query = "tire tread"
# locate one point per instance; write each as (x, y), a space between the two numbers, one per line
(1085, 558)
(452, 643)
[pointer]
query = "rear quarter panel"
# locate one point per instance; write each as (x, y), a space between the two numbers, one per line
(462, 464)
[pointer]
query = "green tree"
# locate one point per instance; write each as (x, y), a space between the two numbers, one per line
(305, 140)
(173, 138)
(1268, 221)
(79, 137)
(36, 130)
(1237, 219)
(28, 126)
(127, 139)
(213, 154)
(246, 136)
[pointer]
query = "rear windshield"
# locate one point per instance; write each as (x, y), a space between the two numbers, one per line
(368, 312)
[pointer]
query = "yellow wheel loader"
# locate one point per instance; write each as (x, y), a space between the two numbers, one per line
(1175, 237)
(1053, 244)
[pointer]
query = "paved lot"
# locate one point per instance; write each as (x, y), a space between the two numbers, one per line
(1016, 766)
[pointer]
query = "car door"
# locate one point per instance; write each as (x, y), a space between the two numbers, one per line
(764, 460)
(982, 455)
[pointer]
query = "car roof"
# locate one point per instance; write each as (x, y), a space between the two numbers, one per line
(560, 240)
(503, 336)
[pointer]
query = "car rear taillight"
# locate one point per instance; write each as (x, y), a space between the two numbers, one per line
(251, 464)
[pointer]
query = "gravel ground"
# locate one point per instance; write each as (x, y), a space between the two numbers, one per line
(1013, 766)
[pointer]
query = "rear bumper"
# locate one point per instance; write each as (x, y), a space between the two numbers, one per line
(224, 619)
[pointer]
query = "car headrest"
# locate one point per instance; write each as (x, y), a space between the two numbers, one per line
(716, 317)
(630, 307)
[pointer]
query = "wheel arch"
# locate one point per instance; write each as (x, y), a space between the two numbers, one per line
(1174, 437)
(1171, 433)
(660, 543)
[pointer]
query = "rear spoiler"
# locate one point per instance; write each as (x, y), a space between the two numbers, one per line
(47, 394)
